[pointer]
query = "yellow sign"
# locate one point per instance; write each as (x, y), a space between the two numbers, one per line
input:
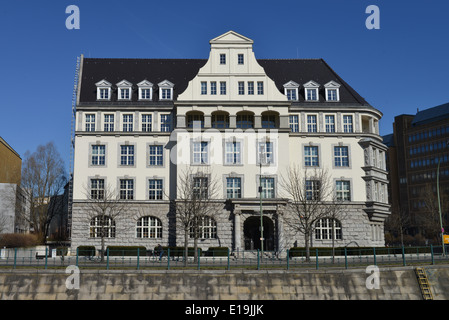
(446, 238)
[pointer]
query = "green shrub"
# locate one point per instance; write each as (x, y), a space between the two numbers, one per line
(217, 252)
(177, 251)
(86, 251)
(18, 240)
(127, 251)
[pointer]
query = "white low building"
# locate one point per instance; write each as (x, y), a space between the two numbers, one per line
(141, 123)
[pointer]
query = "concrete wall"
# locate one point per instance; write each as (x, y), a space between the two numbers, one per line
(395, 284)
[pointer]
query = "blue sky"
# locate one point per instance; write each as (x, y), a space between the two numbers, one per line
(400, 67)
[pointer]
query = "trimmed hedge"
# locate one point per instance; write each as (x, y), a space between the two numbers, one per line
(127, 251)
(356, 251)
(177, 251)
(217, 252)
(86, 251)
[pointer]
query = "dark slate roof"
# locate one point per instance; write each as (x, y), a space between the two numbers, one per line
(181, 71)
(177, 71)
(431, 115)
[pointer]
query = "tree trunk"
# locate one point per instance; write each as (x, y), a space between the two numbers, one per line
(186, 245)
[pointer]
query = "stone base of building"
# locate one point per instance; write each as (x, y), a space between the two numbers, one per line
(238, 228)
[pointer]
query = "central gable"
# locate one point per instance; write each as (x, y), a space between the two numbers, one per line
(231, 73)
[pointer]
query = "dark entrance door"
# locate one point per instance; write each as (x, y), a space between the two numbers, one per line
(251, 231)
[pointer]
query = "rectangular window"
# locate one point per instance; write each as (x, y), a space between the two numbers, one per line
(241, 87)
(147, 122)
(126, 189)
(347, 124)
(166, 94)
(155, 189)
(312, 123)
(213, 87)
(233, 188)
(203, 87)
(291, 94)
(97, 189)
(294, 123)
(222, 87)
(260, 87)
(240, 58)
(104, 93)
(200, 153)
(90, 122)
(145, 94)
(124, 93)
(98, 155)
(200, 187)
(313, 190)
(233, 152)
(127, 155)
(165, 123)
(341, 156)
(222, 58)
(251, 87)
(311, 156)
(343, 190)
(127, 122)
(108, 122)
(331, 94)
(266, 152)
(311, 94)
(267, 188)
(329, 123)
(156, 156)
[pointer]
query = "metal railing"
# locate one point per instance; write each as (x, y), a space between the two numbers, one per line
(225, 259)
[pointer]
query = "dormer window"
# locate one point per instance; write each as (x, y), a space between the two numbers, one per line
(291, 90)
(124, 90)
(311, 91)
(145, 90)
(103, 90)
(332, 91)
(166, 90)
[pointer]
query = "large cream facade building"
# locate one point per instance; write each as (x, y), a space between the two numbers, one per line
(142, 123)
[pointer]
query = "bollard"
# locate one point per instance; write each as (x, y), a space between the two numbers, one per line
(374, 255)
(199, 254)
(138, 256)
(229, 265)
(15, 257)
(258, 260)
(46, 260)
(288, 259)
(316, 255)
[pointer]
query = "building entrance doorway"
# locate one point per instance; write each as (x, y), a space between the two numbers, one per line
(251, 231)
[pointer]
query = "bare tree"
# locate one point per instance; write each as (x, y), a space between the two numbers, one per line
(197, 192)
(104, 205)
(43, 176)
(398, 222)
(311, 198)
(430, 218)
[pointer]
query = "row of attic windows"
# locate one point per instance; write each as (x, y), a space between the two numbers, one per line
(145, 92)
(124, 90)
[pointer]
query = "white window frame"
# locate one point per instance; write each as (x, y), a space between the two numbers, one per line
(348, 127)
(232, 188)
(126, 188)
(155, 189)
(123, 87)
(332, 85)
(128, 125)
(165, 122)
(200, 154)
(311, 85)
(103, 85)
(147, 125)
(145, 85)
(289, 87)
(294, 122)
(341, 192)
(164, 88)
(312, 127)
(90, 121)
(328, 125)
(109, 122)
(233, 155)
(149, 227)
